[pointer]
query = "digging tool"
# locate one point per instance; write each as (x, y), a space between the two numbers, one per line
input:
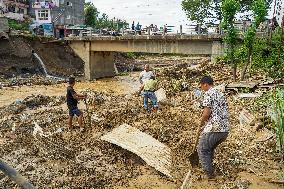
(193, 158)
(15, 176)
(88, 113)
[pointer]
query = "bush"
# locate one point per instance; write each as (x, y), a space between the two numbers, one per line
(17, 25)
(278, 119)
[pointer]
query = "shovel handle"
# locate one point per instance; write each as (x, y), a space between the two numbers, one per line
(15, 176)
(196, 139)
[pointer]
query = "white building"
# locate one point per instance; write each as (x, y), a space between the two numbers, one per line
(14, 9)
(279, 11)
(42, 10)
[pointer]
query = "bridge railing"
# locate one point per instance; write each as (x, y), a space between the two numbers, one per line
(193, 29)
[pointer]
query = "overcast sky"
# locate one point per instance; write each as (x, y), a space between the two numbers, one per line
(157, 12)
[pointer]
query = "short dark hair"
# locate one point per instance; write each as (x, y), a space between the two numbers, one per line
(207, 79)
(71, 80)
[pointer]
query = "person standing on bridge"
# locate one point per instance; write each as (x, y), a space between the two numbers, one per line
(214, 126)
(72, 101)
(133, 26)
(144, 76)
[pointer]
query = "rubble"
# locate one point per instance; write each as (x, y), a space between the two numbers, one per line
(50, 155)
(30, 80)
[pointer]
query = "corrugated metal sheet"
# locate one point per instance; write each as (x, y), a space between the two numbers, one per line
(153, 152)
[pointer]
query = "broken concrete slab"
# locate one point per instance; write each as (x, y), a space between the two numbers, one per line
(153, 152)
(249, 95)
(242, 85)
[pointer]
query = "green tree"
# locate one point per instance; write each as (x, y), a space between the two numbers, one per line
(229, 10)
(91, 14)
(201, 11)
(259, 9)
(95, 20)
(197, 10)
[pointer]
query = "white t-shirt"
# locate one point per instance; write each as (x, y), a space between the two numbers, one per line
(144, 76)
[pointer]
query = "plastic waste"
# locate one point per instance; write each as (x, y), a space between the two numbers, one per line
(161, 95)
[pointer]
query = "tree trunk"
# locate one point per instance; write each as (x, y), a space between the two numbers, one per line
(233, 64)
(247, 64)
(235, 71)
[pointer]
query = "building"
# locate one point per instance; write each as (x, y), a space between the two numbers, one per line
(279, 11)
(59, 13)
(14, 9)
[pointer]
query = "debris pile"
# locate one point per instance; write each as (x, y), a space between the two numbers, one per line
(30, 80)
(36, 141)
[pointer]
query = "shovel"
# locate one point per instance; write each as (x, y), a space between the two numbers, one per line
(88, 113)
(194, 160)
(193, 157)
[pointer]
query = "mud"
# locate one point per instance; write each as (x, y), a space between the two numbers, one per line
(63, 158)
(16, 58)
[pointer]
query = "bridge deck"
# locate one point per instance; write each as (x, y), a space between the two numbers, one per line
(211, 37)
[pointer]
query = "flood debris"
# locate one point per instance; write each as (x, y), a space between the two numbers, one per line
(246, 118)
(50, 155)
(149, 149)
(249, 95)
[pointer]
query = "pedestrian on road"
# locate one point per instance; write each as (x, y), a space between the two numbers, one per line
(145, 75)
(214, 124)
(72, 102)
(150, 86)
(133, 26)
(138, 28)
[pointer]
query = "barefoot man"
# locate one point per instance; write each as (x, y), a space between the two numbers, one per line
(72, 101)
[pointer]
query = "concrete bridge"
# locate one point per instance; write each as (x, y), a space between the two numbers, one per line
(98, 52)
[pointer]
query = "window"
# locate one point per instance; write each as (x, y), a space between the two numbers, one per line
(43, 15)
(69, 4)
(21, 11)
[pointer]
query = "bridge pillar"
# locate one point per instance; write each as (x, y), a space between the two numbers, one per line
(217, 50)
(100, 64)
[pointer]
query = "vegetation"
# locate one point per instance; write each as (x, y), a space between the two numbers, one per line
(18, 25)
(202, 11)
(101, 21)
(278, 115)
(198, 10)
(229, 11)
(259, 13)
(271, 107)
(268, 55)
(91, 14)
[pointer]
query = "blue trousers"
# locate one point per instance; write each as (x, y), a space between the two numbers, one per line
(152, 96)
